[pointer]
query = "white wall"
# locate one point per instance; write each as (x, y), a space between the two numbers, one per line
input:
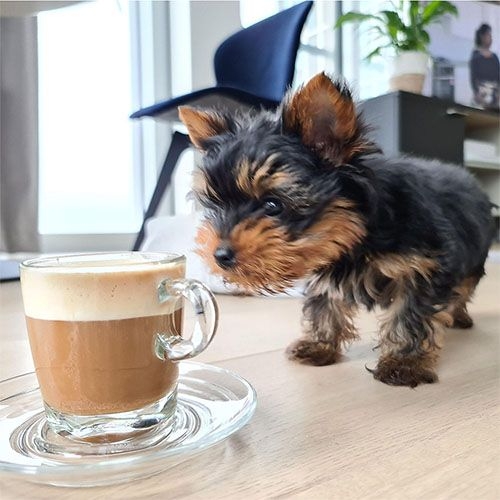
(197, 29)
(211, 22)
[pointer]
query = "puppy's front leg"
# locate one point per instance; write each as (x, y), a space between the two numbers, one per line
(327, 324)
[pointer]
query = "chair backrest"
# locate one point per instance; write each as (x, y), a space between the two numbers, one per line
(260, 59)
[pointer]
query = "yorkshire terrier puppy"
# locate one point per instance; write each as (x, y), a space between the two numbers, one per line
(304, 194)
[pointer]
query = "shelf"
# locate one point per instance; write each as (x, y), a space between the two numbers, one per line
(483, 165)
(474, 117)
(484, 119)
(412, 124)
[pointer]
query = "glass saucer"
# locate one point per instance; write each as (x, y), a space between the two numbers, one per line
(212, 404)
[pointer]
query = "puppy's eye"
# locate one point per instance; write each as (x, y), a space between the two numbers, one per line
(272, 206)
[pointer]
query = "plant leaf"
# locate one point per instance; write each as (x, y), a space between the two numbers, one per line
(373, 53)
(394, 25)
(376, 52)
(414, 11)
(393, 19)
(354, 17)
(429, 11)
(434, 10)
(390, 25)
(378, 29)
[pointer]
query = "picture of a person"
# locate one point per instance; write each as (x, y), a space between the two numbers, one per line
(484, 70)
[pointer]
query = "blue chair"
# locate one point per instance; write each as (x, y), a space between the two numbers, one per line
(253, 68)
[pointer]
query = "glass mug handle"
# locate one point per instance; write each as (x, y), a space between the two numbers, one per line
(175, 347)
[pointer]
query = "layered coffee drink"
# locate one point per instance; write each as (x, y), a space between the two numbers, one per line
(92, 327)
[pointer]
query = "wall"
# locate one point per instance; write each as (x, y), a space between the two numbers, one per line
(197, 29)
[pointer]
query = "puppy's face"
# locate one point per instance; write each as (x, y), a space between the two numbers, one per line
(276, 208)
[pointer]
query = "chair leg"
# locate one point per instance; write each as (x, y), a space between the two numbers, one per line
(180, 142)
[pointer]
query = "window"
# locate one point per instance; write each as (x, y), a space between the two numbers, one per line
(87, 180)
(318, 45)
(318, 49)
(369, 78)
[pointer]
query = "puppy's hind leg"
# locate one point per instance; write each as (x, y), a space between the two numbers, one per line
(327, 324)
(457, 307)
(409, 345)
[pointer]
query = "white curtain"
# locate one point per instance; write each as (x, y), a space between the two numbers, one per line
(18, 135)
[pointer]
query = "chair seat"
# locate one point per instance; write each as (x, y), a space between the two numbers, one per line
(229, 98)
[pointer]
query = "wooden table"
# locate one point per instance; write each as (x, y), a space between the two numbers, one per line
(329, 432)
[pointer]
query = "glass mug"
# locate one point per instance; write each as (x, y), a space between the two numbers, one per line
(105, 335)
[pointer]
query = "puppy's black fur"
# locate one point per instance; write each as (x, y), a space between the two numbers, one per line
(303, 194)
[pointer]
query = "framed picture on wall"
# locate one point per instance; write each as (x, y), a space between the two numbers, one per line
(465, 52)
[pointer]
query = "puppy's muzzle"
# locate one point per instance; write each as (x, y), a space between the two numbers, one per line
(224, 256)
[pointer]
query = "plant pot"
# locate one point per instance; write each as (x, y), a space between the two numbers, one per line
(409, 70)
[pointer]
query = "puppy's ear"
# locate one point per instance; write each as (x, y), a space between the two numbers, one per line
(202, 125)
(323, 114)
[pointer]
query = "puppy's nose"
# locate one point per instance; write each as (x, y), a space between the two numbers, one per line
(225, 256)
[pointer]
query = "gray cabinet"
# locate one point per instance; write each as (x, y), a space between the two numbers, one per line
(405, 123)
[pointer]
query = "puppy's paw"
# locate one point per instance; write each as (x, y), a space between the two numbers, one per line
(409, 371)
(461, 319)
(313, 353)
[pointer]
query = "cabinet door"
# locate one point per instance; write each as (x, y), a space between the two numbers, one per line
(431, 128)
(405, 123)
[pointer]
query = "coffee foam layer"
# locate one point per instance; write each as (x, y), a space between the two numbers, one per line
(97, 296)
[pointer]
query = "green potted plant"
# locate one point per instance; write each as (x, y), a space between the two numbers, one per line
(403, 29)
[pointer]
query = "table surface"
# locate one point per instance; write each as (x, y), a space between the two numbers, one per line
(323, 432)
